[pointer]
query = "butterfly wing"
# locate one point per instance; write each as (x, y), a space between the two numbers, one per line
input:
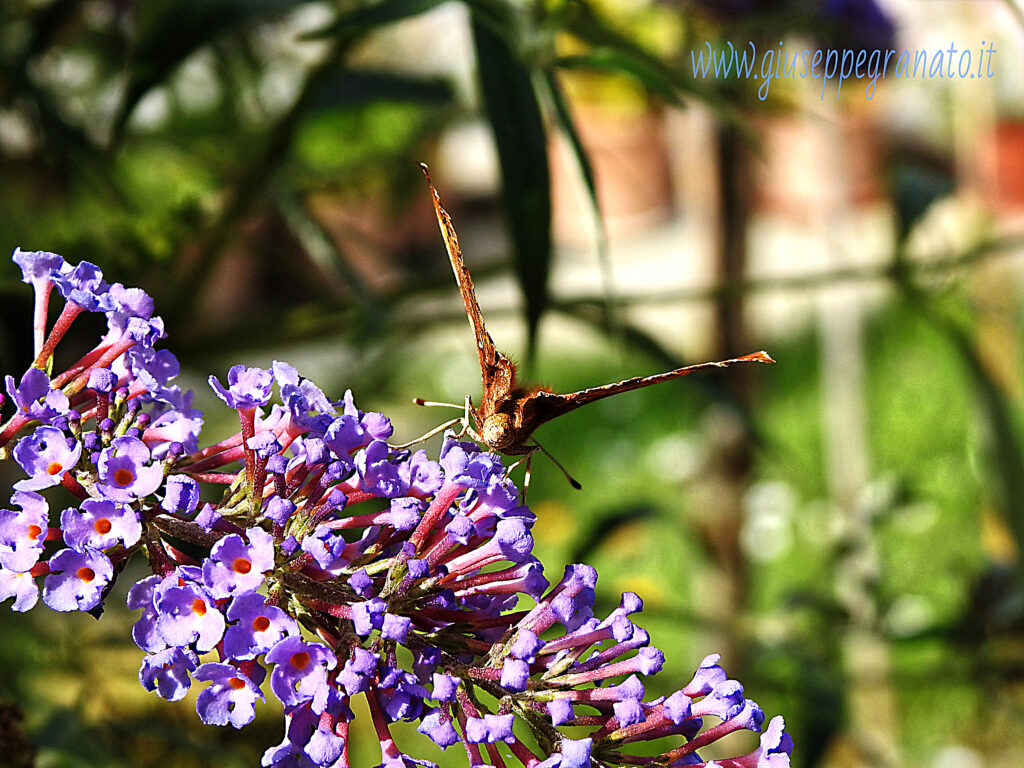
(496, 370)
(541, 407)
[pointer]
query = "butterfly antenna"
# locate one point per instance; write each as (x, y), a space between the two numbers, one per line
(435, 404)
(572, 480)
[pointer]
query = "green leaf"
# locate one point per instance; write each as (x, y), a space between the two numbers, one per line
(515, 117)
(175, 32)
(568, 127)
(370, 17)
(349, 87)
(916, 186)
(614, 51)
(650, 76)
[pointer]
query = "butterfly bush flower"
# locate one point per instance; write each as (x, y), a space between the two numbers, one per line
(236, 567)
(124, 471)
(34, 396)
(231, 697)
(167, 672)
(100, 524)
(45, 455)
(23, 532)
(348, 571)
(76, 580)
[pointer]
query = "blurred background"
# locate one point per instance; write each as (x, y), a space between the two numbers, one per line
(844, 527)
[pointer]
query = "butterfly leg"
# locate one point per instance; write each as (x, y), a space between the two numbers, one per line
(427, 435)
(526, 477)
(527, 459)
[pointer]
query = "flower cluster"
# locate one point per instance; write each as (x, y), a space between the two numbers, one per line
(307, 550)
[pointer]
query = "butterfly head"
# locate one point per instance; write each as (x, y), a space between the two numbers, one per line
(498, 431)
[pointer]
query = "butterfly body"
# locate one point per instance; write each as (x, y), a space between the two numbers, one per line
(506, 423)
(508, 413)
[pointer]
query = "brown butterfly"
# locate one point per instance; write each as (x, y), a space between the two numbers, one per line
(509, 412)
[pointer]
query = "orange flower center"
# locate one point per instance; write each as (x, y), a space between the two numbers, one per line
(235, 683)
(261, 623)
(86, 574)
(34, 531)
(198, 607)
(102, 526)
(54, 468)
(123, 477)
(241, 565)
(299, 660)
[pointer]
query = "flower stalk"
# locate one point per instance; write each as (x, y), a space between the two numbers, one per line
(333, 564)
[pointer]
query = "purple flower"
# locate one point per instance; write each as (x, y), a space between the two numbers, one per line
(207, 517)
(22, 533)
(358, 671)
(123, 472)
(378, 475)
(776, 745)
(395, 627)
(438, 727)
(575, 753)
(129, 303)
(300, 672)
(187, 615)
(724, 701)
(235, 567)
(404, 513)
(167, 672)
(21, 586)
(354, 429)
(345, 435)
(326, 548)
(708, 675)
(560, 711)
(258, 627)
(265, 444)
(35, 397)
(398, 550)
(308, 743)
(445, 687)
(84, 285)
(368, 616)
(76, 580)
(423, 476)
(153, 369)
(38, 267)
(514, 674)
(174, 426)
(248, 388)
(181, 495)
(144, 632)
(678, 707)
(45, 455)
(231, 697)
(401, 694)
(278, 510)
(308, 405)
(102, 380)
(100, 524)
(489, 729)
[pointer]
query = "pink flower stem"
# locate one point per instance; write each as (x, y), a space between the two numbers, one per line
(42, 304)
(67, 316)
(442, 501)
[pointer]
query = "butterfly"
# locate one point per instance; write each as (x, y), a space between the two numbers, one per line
(509, 412)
